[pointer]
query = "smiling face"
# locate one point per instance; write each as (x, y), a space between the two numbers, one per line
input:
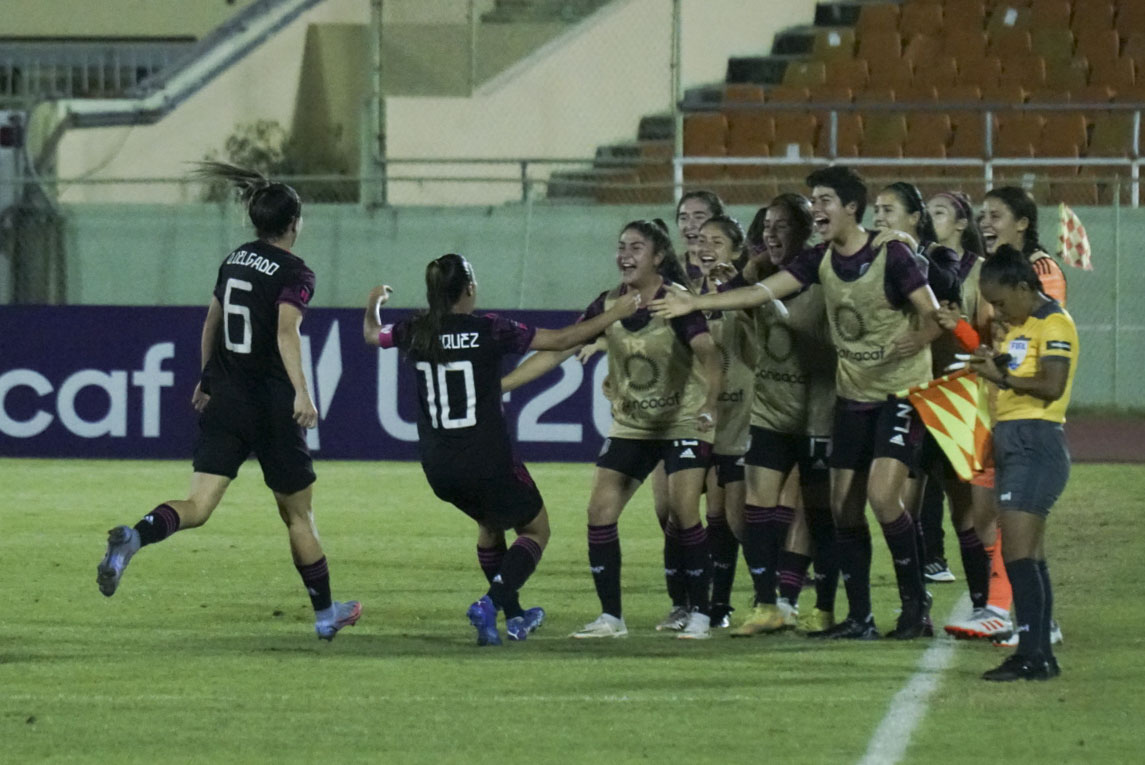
(832, 219)
(635, 259)
(1012, 305)
(999, 226)
(779, 234)
(713, 247)
(948, 227)
(689, 217)
(891, 214)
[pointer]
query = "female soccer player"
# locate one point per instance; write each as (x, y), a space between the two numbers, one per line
(665, 378)
(870, 294)
(790, 432)
(1035, 379)
(720, 244)
(252, 397)
(693, 209)
(465, 448)
(1010, 216)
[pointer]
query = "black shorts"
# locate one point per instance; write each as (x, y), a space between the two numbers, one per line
(783, 451)
(932, 461)
(891, 429)
(1032, 463)
(728, 467)
(636, 458)
(500, 496)
(230, 429)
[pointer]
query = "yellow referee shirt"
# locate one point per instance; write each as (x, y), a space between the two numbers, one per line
(1048, 332)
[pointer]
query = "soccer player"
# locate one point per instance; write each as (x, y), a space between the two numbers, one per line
(693, 209)
(252, 397)
(463, 442)
(1032, 461)
(665, 378)
(882, 318)
(1010, 216)
(790, 434)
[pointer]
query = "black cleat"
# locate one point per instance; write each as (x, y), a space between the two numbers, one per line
(914, 621)
(721, 615)
(1053, 667)
(850, 629)
(1018, 667)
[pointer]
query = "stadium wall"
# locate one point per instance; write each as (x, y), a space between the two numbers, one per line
(535, 256)
(115, 18)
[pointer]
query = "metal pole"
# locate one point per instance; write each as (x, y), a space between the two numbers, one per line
(471, 17)
(1116, 289)
(374, 136)
(677, 97)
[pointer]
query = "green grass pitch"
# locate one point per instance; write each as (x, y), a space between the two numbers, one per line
(207, 653)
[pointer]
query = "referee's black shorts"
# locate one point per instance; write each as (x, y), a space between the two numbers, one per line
(1032, 465)
(230, 429)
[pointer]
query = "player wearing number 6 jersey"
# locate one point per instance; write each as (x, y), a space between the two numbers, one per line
(465, 448)
(252, 397)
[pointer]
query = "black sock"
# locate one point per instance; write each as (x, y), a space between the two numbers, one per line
(520, 562)
(697, 566)
(755, 553)
(853, 551)
(725, 552)
(976, 565)
(900, 536)
(1029, 605)
(792, 571)
(604, 561)
(157, 525)
(822, 528)
(1047, 609)
(316, 579)
(674, 576)
(933, 502)
(490, 559)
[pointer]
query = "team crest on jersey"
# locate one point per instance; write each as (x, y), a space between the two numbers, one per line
(778, 343)
(1019, 347)
(642, 372)
(849, 324)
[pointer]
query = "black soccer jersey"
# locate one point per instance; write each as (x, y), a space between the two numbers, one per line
(252, 281)
(459, 397)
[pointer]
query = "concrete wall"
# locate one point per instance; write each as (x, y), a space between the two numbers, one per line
(540, 256)
(115, 18)
(715, 30)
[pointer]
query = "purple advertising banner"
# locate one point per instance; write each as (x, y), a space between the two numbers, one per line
(107, 381)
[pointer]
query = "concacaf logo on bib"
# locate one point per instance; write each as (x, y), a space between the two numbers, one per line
(1019, 347)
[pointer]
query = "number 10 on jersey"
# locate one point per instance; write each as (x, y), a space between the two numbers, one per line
(437, 394)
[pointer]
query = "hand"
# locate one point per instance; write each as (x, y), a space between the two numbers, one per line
(626, 304)
(705, 421)
(948, 315)
(982, 363)
(199, 400)
(890, 235)
(304, 412)
(722, 272)
(586, 352)
(379, 295)
(906, 345)
(676, 302)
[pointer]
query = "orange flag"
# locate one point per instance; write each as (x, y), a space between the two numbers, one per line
(1073, 243)
(954, 410)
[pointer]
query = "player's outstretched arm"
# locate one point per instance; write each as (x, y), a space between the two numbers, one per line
(583, 331)
(534, 366)
(372, 321)
(680, 302)
(290, 348)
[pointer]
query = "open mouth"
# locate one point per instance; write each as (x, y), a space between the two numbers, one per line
(821, 223)
(627, 269)
(707, 258)
(991, 241)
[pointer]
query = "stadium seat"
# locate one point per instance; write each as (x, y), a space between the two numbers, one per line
(938, 72)
(750, 133)
(1067, 75)
(805, 73)
(965, 44)
(848, 136)
(1098, 45)
(927, 128)
(958, 94)
(983, 72)
(874, 44)
(1050, 95)
(1009, 93)
(1008, 16)
(1130, 94)
(1112, 135)
(1050, 14)
(705, 134)
(968, 136)
(831, 94)
(1135, 49)
(1092, 14)
(919, 92)
(881, 17)
(1092, 94)
(1130, 17)
(1008, 43)
(1028, 71)
(1116, 73)
(873, 95)
(852, 73)
(1017, 134)
(1055, 44)
(794, 128)
(787, 94)
(743, 93)
(1060, 132)
(833, 44)
(888, 72)
(883, 132)
(920, 19)
(970, 14)
(922, 48)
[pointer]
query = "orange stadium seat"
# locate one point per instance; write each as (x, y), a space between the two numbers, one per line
(958, 94)
(743, 93)
(1092, 14)
(833, 44)
(1112, 135)
(874, 44)
(983, 72)
(1053, 44)
(851, 74)
(1028, 71)
(928, 127)
(798, 128)
(883, 133)
(1130, 17)
(1050, 14)
(890, 72)
(848, 136)
(749, 133)
(920, 48)
(1092, 94)
(919, 92)
(1060, 131)
(968, 135)
(881, 17)
(965, 44)
(787, 94)
(1007, 16)
(1098, 44)
(970, 14)
(1017, 134)
(1008, 93)
(704, 133)
(1130, 94)
(938, 72)
(1050, 95)
(831, 94)
(1116, 73)
(1067, 75)
(876, 95)
(1135, 49)
(920, 19)
(805, 73)
(1007, 43)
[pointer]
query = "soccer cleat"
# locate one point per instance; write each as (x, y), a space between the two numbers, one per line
(850, 629)
(122, 543)
(982, 624)
(816, 620)
(520, 627)
(914, 621)
(1019, 668)
(721, 614)
(1010, 639)
(340, 615)
(675, 620)
(604, 626)
(483, 616)
(768, 617)
(697, 628)
(1052, 666)
(938, 571)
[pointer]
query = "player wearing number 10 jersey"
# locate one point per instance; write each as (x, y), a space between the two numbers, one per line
(252, 397)
(464, 444)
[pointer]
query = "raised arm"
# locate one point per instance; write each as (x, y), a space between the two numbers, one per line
(211, 324)
(680, 302)
(290, 348)
(533, 367)
(372, 321)
(580, 333)
(705, 349)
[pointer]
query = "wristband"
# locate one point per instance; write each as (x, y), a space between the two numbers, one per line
(966, 335)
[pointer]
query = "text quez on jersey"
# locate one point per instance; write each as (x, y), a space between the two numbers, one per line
(459, 340)
(252, 260)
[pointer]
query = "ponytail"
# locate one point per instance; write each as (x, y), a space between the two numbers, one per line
(445, 280)
(272, 206)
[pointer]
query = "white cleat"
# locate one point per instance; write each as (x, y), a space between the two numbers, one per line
(337, 616)
(982, 624)
(674, 621)
(122, 544)
(1011, 640)
(699, 627)
(604, 626)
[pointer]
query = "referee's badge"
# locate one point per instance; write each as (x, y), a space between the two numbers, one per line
(1019, 347)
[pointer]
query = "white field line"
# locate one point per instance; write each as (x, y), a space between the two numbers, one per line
(890, 740)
